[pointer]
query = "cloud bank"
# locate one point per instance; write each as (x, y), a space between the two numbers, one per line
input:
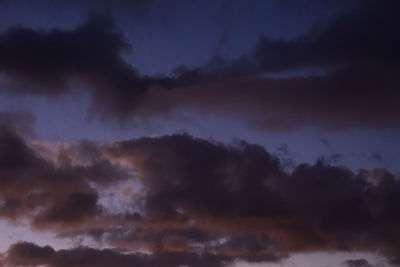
(191, 196)
(357, 52)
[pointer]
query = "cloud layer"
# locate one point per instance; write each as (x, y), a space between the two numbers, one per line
(357, 51)
(192, 196)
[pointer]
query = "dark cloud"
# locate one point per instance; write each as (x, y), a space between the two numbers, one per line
(43, 62)
(28, 254)
(335, 101)
(358, 50)
(54, 194)
(196, 196)
(243, 189)
(235, 173)
(365, 38)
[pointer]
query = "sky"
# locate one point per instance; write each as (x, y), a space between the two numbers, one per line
(219, 133)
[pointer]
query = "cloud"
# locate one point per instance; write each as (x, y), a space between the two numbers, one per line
(50, 194)
(42, 62)
(332, 102)
(364, 38)
(232, 172)
(197, 196)
(242, 189)
(27, 254)
(358, 51)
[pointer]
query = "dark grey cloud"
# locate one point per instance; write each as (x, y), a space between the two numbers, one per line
(51, 194)
(315, 206)
(232, 171)
(362, 39)
(357, 49)
(44, 61)
(28, 254)
(232, 201)
(332, 102)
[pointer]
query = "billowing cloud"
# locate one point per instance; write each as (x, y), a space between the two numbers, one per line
(197, 196)
(53, 193)
(243, 189)
(357, 50)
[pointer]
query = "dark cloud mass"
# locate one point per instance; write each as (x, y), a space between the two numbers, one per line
(26, 254)
(53, 194)
(358, 51)
(42, 62)
(225, 188)
(232, 201)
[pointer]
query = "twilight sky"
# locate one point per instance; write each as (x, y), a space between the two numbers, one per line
(218, 133)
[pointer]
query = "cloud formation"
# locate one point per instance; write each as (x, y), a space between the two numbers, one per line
(244, 190)
(196, 196)
(357, 50)
(51, 193)
(42, 62)
(28, 254)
